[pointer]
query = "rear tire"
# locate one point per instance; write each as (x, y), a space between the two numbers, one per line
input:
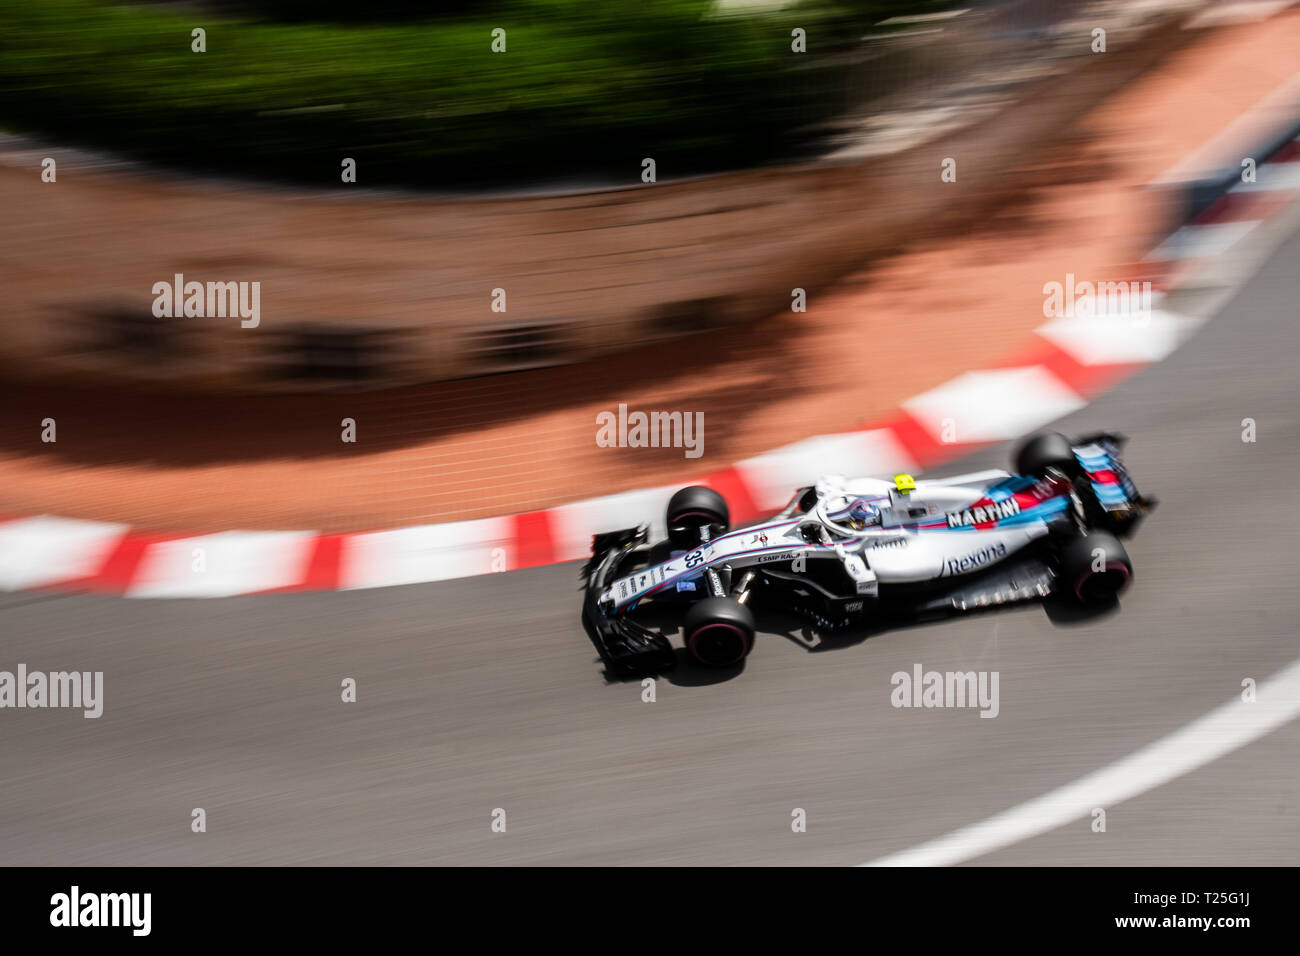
(719, 631)
(1048, 450)
(690, 509)
(1095, 569)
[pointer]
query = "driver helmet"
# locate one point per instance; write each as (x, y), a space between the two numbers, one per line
(863, 514)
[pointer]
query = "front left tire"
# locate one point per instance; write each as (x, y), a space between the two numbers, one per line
(719, 631)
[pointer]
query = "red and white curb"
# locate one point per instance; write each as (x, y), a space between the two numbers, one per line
(1058, 369)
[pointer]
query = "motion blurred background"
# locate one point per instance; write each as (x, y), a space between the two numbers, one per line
(476, 241)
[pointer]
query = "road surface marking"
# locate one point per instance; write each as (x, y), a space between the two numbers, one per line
(1206, 739)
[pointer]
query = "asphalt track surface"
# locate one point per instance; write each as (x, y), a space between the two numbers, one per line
(484, 693)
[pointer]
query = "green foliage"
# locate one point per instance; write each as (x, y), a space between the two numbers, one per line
(585, 89)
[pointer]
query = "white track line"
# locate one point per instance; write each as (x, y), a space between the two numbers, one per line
(1206, 739)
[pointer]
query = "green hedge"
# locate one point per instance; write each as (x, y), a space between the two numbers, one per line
(351, 11)
(586, 89)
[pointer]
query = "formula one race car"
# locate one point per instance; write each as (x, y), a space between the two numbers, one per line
(867, 549)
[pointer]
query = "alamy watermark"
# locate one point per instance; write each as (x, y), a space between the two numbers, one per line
(923, 688)
(75, 908)
(83, 690)
(1084, 299)
(208, 300)
(651, 430)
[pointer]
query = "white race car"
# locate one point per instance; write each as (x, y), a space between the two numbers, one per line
(853, 550)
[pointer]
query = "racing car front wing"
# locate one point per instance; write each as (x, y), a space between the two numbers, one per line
(626, 646)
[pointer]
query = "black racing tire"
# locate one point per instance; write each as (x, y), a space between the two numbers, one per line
(1048, 450)
(691, 508)
(719, 631)
(1095, 569)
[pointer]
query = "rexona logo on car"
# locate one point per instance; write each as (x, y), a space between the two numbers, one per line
(976, 559)
(984, 513)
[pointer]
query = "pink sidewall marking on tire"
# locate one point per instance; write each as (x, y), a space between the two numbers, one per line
(692, 514)
(744, 640)
(1110, 566)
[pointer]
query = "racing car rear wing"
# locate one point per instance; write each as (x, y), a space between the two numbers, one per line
(1119, 505)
